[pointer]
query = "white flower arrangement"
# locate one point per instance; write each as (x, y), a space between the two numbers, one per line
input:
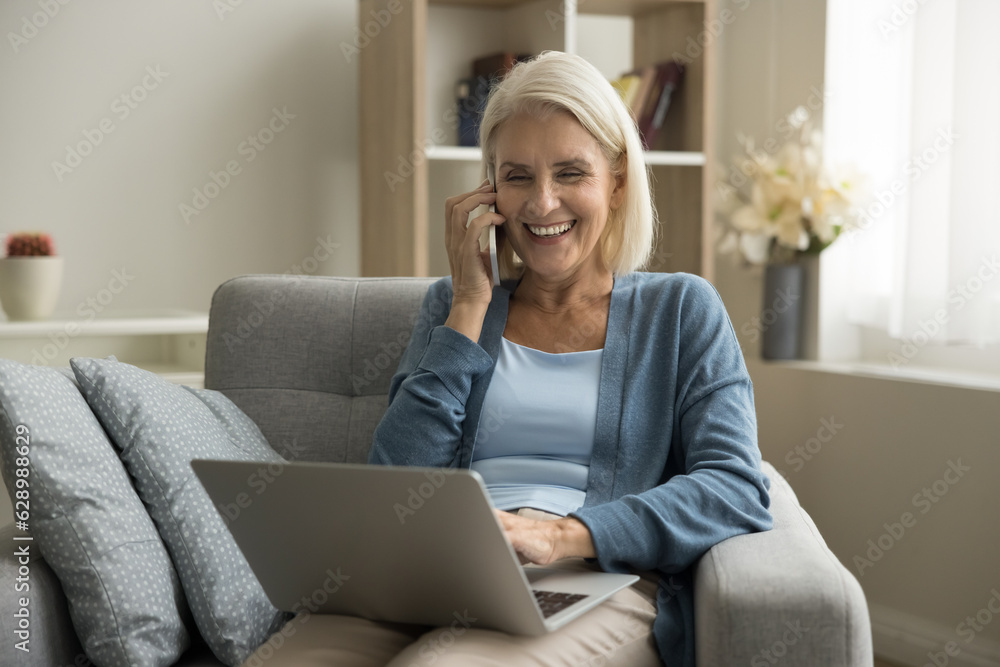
(789, 203)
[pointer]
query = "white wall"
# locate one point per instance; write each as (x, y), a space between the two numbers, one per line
(222, 76)
(896, 437)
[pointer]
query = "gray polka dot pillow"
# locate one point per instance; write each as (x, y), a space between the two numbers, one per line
(159, 427)
(86, 519)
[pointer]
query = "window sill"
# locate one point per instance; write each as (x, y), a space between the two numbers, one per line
(919, 375)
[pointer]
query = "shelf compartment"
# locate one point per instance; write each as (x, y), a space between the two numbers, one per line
(616, 7)
(656, 158)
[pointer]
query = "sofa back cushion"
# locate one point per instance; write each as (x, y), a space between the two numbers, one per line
(310, 358)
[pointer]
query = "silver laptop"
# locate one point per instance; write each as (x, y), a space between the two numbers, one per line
(411, 545)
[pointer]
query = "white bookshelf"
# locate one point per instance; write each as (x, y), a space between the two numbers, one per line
(407, 90)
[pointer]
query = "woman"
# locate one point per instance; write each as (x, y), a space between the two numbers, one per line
(661, 460)
(609, 411)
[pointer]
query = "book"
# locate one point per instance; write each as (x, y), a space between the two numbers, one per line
(471, 96)
(669, 76)
(627, 86)
(647, 75)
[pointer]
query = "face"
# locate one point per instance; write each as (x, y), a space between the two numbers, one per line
(556, 189)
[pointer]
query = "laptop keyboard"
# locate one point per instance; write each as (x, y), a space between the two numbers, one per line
(551, 602)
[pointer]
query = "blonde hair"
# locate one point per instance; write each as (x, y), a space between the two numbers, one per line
(556, 81)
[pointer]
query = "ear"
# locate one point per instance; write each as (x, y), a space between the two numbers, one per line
(618, 194)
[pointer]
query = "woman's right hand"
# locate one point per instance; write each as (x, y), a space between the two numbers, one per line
(471, 276)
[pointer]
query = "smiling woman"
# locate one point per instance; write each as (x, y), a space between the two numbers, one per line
(608, 411)
(557, 190)
(596, 135)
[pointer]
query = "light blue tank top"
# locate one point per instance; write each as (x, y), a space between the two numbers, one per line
(536, 432)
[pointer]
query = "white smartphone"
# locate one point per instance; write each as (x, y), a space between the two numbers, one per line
(491, 233)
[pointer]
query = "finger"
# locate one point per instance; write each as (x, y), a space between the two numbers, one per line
(487, 262)
(469, 200)
(465, 251)
(482, 187)
(458, 217)
(481, 222)
(451, 202)
(463, 209)
(504, 517)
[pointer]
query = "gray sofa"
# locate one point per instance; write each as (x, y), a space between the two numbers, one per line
(310, 360)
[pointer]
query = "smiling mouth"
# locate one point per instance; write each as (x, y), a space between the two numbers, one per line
(552, 231)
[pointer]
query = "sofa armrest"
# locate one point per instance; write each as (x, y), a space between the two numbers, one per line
(779, 595)
(51, 637)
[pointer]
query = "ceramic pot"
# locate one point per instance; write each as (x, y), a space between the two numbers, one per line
(29, 286)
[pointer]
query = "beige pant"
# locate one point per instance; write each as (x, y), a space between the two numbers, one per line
(618, 632)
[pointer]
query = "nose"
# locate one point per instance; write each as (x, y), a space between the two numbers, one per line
(543, 198)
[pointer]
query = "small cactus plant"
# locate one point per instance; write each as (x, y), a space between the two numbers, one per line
(28, 244)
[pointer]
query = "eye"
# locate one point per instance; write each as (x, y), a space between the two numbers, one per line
(510, 179)
(571, 174)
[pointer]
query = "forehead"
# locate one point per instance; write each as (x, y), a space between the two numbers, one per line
(550, 138)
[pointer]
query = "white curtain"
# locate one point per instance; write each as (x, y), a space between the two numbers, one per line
(914, 101)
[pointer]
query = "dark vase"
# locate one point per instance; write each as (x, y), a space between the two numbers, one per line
(780, 314)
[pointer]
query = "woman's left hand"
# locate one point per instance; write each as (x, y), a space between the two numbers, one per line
(544, 542)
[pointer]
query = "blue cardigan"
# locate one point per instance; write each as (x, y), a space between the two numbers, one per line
(675, 467)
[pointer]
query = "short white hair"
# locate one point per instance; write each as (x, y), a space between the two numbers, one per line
(556, 81)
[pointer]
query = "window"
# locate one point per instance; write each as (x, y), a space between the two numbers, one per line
(914, 100)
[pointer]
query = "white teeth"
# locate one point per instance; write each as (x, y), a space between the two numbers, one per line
(554, 230)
